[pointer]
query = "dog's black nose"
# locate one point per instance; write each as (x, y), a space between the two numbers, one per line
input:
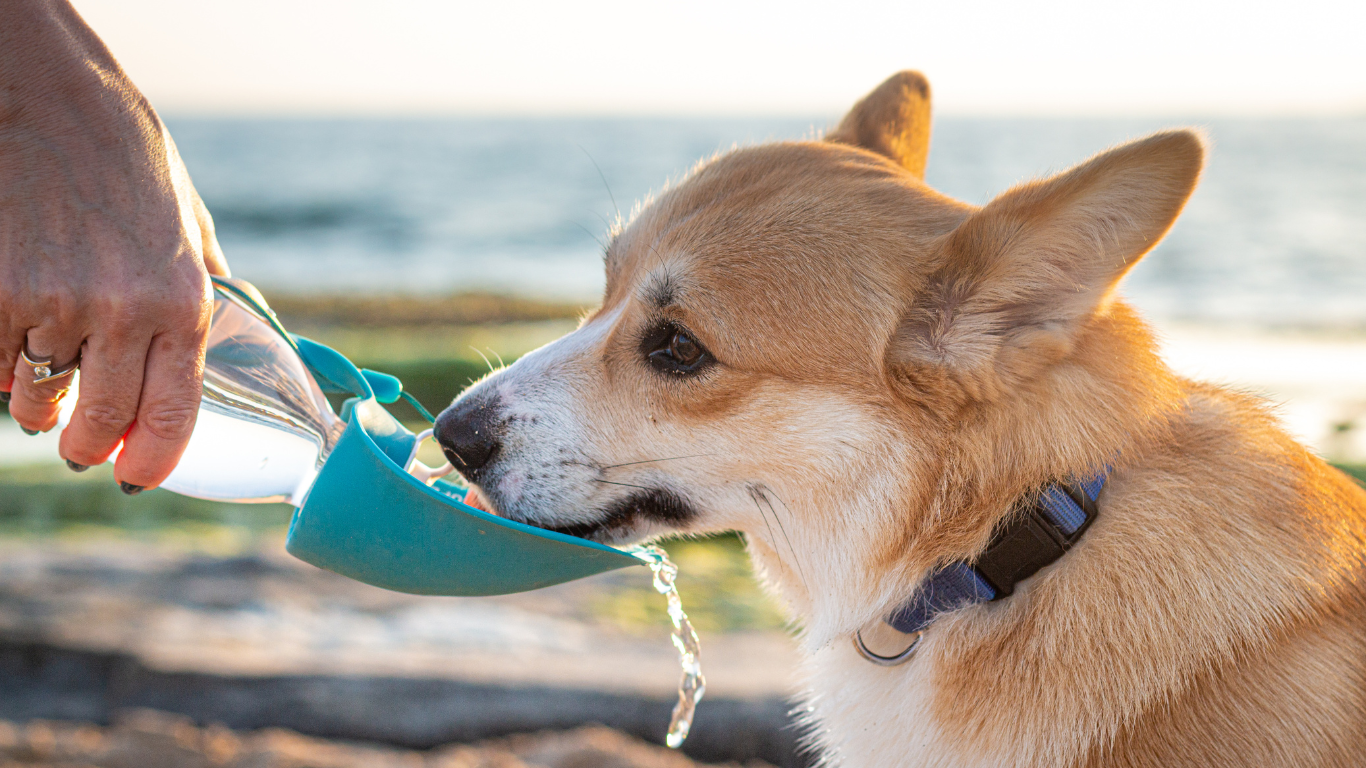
(466, 434)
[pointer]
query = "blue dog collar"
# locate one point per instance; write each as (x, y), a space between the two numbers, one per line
(1027, 542)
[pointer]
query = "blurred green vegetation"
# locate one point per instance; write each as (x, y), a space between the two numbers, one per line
(436, 345)
(410, 311)
(48, 500)
(1357, 471)
(715, 582)
(435, 383)
(436, 363)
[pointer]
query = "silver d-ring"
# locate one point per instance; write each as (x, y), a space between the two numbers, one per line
(887, 661)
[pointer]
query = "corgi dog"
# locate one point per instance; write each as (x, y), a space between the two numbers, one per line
(1009, 533)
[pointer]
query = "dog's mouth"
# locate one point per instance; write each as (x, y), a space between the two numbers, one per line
(618, 522)
(475, 498)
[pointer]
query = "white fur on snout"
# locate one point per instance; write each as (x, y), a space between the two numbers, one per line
(542, 474)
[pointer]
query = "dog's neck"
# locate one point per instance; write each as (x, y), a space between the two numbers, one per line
(853, 572)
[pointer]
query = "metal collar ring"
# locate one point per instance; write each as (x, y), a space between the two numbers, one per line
(887, 661)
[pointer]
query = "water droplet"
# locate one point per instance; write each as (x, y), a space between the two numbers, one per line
(691, 686)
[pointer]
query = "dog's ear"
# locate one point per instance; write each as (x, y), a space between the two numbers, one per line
(893, 120)
(1021, 276)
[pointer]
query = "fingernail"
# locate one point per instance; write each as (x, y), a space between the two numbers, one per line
(130, 489)
(76, 467)
(28, 431)
(4, 397)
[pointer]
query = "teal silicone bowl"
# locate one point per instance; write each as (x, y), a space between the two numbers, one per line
(367, 518)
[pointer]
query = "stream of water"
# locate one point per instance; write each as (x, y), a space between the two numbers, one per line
(691, 685)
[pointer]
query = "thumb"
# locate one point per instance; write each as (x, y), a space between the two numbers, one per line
(214, 260)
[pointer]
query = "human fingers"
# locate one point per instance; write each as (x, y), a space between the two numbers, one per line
(38, 386)
(167, 410)
(11, 342)
(112, 364)
(139, 380)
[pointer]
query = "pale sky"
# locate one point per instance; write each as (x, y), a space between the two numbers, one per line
(1073, 57)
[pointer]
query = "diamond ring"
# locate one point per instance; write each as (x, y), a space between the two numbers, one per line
(43, 371)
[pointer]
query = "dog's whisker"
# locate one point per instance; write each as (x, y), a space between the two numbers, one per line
(605, 223)
(754, 493)
(659, 258)
(760, 498)
(603, 176)
(501, 364)
(652, 461)
(628, 485)
(596, 239)
(795, 559)
(481, 354)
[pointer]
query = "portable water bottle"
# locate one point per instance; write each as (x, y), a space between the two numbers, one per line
(265, 427)
(365, 507)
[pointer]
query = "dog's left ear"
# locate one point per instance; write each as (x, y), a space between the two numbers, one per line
(1021, 276)
(893, 120)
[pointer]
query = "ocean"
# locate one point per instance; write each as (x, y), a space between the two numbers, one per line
(1274, 237)
(1261, 285)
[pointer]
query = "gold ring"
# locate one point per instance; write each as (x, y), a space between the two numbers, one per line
(42, 369)
(58, 395)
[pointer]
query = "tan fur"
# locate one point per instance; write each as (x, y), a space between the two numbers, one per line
(893, 120)
(894, 369)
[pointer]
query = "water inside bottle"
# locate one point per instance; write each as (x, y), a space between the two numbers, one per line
(691, 685)
(264, 425)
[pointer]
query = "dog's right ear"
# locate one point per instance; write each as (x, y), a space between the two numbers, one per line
(1020, 277)
(893, 120)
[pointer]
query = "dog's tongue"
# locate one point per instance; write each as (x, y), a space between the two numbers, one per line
(476, 499)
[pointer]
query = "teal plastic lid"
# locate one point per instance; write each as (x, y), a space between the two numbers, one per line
(367, 518)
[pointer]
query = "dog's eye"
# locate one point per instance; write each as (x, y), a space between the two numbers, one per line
(674, 350)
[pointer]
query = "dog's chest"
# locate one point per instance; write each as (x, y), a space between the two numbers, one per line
(881, 717)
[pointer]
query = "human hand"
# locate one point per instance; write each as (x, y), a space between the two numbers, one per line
(105, 250)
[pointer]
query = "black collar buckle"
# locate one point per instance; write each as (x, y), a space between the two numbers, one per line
(1035, 537)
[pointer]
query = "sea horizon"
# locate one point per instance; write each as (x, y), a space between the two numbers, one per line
(1274, 237)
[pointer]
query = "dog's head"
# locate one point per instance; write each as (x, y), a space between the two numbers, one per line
(805, 343)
